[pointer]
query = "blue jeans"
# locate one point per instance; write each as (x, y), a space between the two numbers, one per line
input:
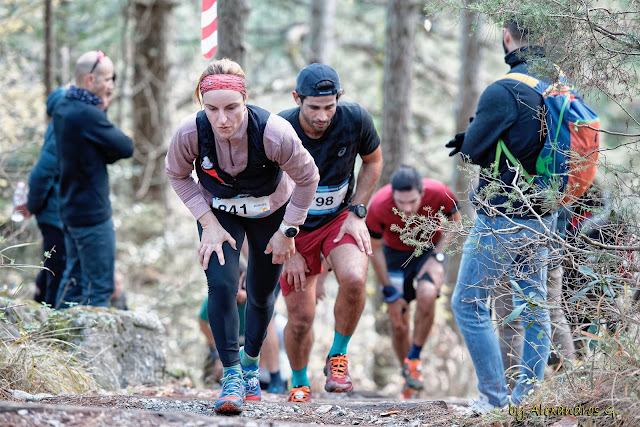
(494, 248)
(88, 275)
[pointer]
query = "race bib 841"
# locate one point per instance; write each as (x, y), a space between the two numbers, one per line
(243, 205)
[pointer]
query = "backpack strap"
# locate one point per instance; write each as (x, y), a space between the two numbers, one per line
(502, 148)
(535, 84)
(540, 88)
(524, 78)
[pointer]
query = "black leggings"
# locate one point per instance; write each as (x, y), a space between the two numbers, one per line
(47, 281)
(262, 278)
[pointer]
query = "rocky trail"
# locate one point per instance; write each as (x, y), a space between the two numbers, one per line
(175, 406)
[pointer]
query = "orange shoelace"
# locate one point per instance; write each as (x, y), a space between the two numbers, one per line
(339, 365)
(300, 394)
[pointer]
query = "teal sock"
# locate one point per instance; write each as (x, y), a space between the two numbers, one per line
(247, 360)
(234, 368)
(340, 343)
(299, 378)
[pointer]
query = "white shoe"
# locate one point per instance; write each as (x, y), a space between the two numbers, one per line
(481, 404)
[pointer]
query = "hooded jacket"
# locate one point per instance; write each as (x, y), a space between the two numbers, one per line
(44, 177)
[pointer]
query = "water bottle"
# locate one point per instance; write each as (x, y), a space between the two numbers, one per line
(19, 199)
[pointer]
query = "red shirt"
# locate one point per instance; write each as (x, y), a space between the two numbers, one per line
(380, 217)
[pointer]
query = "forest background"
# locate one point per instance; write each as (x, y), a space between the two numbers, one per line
(418, 67)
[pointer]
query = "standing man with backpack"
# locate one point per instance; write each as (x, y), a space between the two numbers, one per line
(508, 235)
(335, 133)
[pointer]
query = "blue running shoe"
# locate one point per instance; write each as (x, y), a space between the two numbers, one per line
(233, 392)
(251, 377)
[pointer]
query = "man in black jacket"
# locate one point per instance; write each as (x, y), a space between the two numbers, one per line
(507, 237)
(86, 143)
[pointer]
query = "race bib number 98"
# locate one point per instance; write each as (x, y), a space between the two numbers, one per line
(243, 205)
(328, 198)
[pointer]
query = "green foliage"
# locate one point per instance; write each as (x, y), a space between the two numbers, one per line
(418, 230)
(517, 311)
(17, 17)
(595, 43)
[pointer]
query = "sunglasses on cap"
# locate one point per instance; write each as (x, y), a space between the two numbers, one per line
(101, 55)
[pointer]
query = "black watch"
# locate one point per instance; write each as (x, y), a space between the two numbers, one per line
(439, 256)
(360, 210)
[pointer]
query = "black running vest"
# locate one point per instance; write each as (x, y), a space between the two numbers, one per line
(261, 176)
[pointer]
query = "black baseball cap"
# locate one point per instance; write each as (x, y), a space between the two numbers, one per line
(317, 80)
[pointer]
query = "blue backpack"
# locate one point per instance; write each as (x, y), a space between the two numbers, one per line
(569, 157)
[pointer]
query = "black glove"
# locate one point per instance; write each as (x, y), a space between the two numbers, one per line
(456, 144)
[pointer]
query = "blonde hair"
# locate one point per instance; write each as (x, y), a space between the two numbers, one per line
(220, 66)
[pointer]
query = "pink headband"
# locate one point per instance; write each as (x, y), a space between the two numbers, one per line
(223, 81)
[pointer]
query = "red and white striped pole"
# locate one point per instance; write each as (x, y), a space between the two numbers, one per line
(209, 23)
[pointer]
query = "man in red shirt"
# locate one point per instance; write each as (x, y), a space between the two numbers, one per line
(397, 270)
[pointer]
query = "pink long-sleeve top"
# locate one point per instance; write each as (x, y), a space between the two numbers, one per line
(281, 145)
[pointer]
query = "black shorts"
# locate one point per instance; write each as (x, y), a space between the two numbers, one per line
(405, 275)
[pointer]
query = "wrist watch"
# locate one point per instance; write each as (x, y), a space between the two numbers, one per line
(289, 231)
(360, 210)
(439, 256)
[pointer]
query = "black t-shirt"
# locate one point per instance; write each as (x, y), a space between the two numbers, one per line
(351, 133)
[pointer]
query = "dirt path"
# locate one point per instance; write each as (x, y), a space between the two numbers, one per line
(188, 407)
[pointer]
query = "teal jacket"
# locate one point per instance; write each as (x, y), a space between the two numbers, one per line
(44, 177)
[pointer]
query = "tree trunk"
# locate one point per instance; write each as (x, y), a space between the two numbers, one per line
(152, 37)
(396, 131)
(471, 53)
(398, 73)
(232, 20)
(63, 51)
(125, 72)
(323, 13)
(49, 74)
